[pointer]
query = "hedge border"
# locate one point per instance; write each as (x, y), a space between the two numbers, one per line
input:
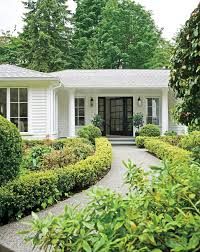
(38, 190)
(166, 151)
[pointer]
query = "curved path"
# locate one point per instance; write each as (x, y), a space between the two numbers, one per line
(113, 180)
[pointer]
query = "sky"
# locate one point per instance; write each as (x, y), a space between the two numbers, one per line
(168, 14)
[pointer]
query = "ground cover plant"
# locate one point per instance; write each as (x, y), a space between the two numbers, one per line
(161, 214)
(37, 189)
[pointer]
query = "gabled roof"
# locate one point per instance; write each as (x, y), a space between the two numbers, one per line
(15, 72)
(116, 78)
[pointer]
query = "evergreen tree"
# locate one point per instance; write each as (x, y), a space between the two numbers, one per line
(86, 19)
(126, 35)
(46, 35)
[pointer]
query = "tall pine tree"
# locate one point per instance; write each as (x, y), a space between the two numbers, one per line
(126, 36)
(86, 19)
(46, 35)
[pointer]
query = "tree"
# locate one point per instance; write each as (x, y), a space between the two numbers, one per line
(86, 19)
(162, 55)
(46, 35)
(126, 36)
(185, 71)
(9, 48)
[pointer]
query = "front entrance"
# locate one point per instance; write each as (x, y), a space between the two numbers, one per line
(116, 113)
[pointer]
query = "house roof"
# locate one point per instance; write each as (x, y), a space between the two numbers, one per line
(8, 72)
(122, 78)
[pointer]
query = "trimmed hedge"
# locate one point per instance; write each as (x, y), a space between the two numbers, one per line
(10, 150)
(139, 141)
(190, 141)
(166, 151)
(90, 132)
(37, 190)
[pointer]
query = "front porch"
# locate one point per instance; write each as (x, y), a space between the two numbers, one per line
(77, 107)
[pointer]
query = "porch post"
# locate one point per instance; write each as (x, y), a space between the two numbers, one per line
(71, 113)
(165, 112)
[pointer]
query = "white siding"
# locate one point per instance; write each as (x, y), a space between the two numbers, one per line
(38, 112)
(62, 113)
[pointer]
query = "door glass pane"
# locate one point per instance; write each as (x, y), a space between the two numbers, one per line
(14, 94)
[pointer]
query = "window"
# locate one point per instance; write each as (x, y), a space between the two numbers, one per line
(79, 111)
(3, 102)
(19, 108)
(153, 111)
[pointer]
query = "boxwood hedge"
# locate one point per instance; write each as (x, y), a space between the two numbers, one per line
(37, 190)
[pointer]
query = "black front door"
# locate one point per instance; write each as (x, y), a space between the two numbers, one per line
(120, 110)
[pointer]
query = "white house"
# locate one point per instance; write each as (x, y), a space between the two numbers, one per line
(57, 104)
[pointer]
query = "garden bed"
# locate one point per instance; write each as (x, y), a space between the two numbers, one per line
(38, 189)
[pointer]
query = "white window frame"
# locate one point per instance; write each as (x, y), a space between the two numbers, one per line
(159, 109)
(8, 117)
(78, 107)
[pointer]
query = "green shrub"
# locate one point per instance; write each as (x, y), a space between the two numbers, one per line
(160, 214)
(173, 140)
(33, 160)
(139, 141)
(190, 141)
(170, 133)
(150, 130)
(40, 189)
(10, 150)
(166, 151)
(90, 132)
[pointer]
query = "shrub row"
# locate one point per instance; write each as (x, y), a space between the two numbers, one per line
(40, 189)
(166, 151)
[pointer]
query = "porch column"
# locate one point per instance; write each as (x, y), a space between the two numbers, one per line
(71, 113)
(165, 112)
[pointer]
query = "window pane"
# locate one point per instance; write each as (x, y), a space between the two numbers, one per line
(23, 125)
(81, 121)
(76, 102)
(76, 121)
(23, 109)
(81, 102)
(14, 94)
(3, 102)
(81, 112)
(14, 110)
(23, 94)
(15, 121)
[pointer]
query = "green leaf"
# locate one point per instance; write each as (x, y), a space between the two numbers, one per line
(86, 246)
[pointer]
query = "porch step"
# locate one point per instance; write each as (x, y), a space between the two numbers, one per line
(122, 140)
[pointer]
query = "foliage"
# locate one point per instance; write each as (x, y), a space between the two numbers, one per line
(161, 214)
(137, 120)
(10, 150)
(150, 130)
(139, 141)
(166, 151)
(190, 141)
(37, 190)
(173, 140)
(196, 154)
(9, 48)
(33, 160)
(97, 121)
(162, 55)
(46, 35)
(90, 132)
(185, 77)
(170, 133)
(86, 19)
(126, 36)
(67, 155)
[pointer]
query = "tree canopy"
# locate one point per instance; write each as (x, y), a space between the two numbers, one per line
(185, 71)
(126, 36)
(46, 35)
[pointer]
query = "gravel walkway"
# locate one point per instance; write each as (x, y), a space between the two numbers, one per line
(113, 180)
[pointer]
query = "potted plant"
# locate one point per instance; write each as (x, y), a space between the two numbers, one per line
(137, 122)
(97, 121)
